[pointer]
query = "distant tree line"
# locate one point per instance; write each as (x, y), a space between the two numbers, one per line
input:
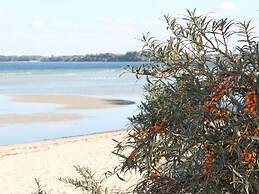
(128, 56)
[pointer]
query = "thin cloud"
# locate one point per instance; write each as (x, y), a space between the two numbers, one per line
(39, 23)
(118, 21)
(229, 6)
(121, 24)
(2, 12)
(206, 13)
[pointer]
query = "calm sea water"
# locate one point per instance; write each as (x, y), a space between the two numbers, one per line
(100, 79)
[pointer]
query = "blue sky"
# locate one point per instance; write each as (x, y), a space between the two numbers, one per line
(64, 27)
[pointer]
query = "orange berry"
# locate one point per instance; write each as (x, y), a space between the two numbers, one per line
(132, 156)
(248, 158)
(206, 146)
(250, 99)
(142, 133)
(158, 128)
(154, 174)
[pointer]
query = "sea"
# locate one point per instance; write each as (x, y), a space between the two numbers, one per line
(107, 80)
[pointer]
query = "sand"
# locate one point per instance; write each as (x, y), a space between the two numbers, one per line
(37, 117)
(72, 102)
(51, 159)
(66, 102)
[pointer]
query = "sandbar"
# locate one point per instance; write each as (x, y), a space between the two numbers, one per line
(73, 101)
(37, 117)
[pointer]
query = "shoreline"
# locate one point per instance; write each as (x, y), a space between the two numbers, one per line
(66, 137)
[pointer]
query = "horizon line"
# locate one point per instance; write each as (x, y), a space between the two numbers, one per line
(60, 55)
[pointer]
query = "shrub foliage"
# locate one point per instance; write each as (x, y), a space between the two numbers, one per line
(87, 183)
(40, 189)
(197, 129)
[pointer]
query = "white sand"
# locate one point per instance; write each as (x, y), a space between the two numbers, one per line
(49, 160)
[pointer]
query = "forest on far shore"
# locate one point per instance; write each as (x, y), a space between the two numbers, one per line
(128, 56)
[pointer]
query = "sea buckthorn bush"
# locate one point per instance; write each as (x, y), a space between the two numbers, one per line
(197, 128)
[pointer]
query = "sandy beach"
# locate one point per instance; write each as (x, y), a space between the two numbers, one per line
(48, 160)
(61, 103)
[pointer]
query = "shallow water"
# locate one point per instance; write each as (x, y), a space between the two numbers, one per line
(91, 79)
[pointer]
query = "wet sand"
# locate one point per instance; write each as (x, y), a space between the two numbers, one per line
(37, 117)
(73, 102)
(66, 102)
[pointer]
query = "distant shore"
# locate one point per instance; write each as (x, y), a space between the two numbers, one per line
(48, 160)
(132, 56)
